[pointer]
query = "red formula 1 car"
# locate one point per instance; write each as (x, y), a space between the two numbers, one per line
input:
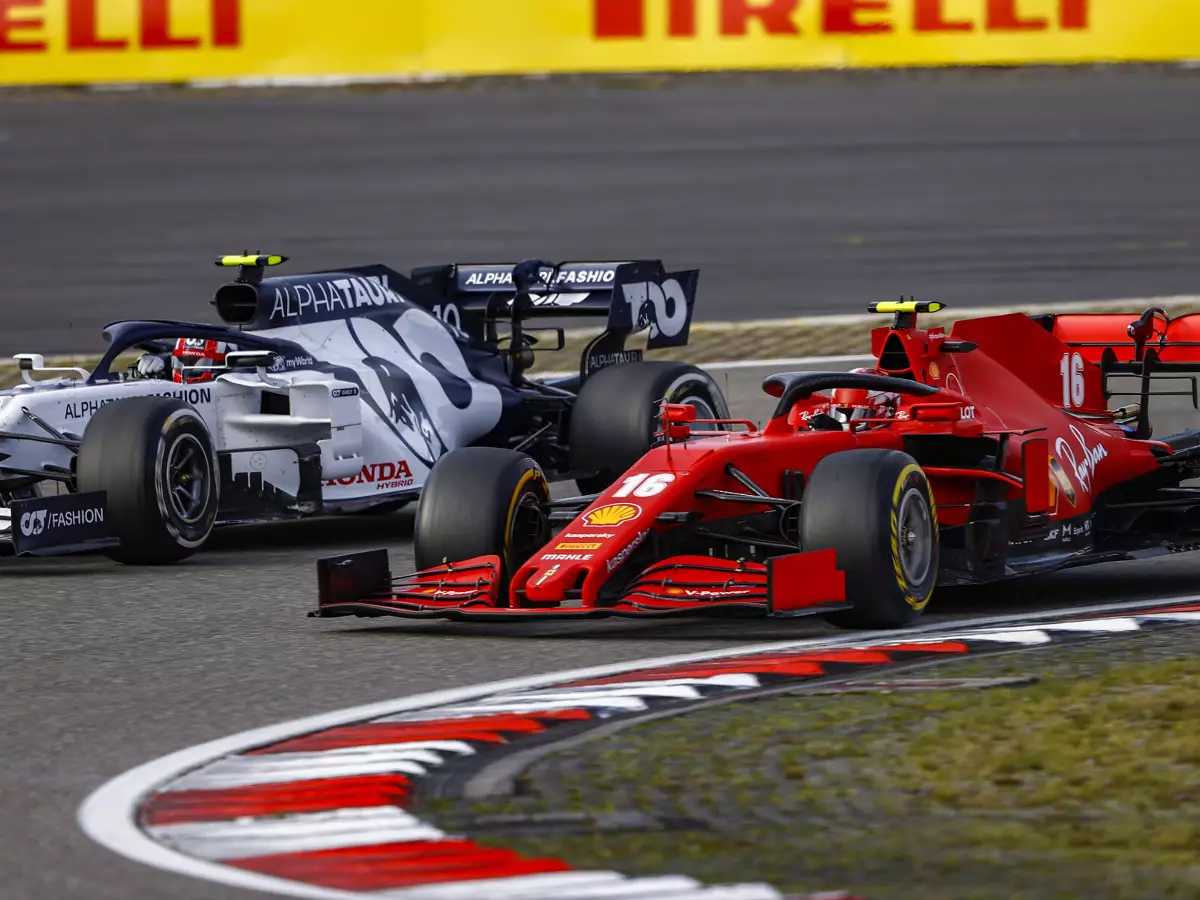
(959, 458)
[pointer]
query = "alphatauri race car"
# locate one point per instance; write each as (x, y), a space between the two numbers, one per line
(334, 392)
(994, 451)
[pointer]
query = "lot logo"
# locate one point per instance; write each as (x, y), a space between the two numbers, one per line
(778, 18)
(33, 523)
(613, 514)
(86, 32)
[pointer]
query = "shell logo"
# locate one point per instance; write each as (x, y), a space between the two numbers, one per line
(613, 514)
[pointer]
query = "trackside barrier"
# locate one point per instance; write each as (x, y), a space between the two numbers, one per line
(102, 41)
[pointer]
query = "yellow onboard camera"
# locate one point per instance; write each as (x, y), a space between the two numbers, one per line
(904, 312)
(906, 306)
(251, 261)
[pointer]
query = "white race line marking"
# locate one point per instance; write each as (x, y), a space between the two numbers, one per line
(585, 885)
(277, 768)
(107, 816)
(298, 833)
(779, 362)
(1106, 625)
(1180, 617)
(621, 697)
(1134, 305)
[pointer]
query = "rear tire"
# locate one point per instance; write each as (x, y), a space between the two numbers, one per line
(616, 415)
(155, 459)
(875, 508)
(480, 501)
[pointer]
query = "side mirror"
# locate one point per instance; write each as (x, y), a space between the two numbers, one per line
(251, 359)
(676, 420)
(35, 362)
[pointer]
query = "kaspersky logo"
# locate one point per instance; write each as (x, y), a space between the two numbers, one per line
(737, 18)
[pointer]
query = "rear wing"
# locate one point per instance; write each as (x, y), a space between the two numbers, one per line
(1151, 347)
(1128, 337)
(633, 296)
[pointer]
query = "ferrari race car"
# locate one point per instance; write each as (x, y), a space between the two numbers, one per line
(333, 392)
(960, 458)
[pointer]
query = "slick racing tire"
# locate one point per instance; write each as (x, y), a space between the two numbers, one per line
(480, 501)
(616, 415)
(155, 459)
(875, 508)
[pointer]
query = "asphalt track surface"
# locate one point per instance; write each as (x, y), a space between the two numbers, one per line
(795, 195)
(105, 667)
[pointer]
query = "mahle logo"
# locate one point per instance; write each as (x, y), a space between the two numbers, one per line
(613, 514)
(798, 18)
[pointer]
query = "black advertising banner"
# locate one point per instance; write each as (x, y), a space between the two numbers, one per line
(59, 524)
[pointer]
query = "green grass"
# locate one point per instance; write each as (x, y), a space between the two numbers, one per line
(1084, 784)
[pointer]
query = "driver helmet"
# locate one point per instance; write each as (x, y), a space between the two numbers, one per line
(196, 352)
(848, 404)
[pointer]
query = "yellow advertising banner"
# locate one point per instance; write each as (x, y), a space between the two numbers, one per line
(99, 41)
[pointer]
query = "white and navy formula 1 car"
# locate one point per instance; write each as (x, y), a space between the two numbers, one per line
(334, 392)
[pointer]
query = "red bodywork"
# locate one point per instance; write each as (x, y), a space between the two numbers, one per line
(1019, 421)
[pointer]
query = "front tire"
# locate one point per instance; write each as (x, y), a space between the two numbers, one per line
(616, 415)
(876, 509)
(155, 459)
(480, 501)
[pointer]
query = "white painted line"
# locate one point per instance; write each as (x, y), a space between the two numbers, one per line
(787, 361)
(1135, 306)
(503, 706)
(1101, 625)
(731, 680)
(107, 815)
(1179, 617)
(559, 883)
(297, 833)
(1029, 636)
(552, 884)
(585, 886)
(344, 762)
(778, 362)
(623, 696)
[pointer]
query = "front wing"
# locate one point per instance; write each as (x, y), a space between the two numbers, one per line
(361, 584)
(56, 525)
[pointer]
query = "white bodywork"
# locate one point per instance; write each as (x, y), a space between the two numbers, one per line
(373, 447)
